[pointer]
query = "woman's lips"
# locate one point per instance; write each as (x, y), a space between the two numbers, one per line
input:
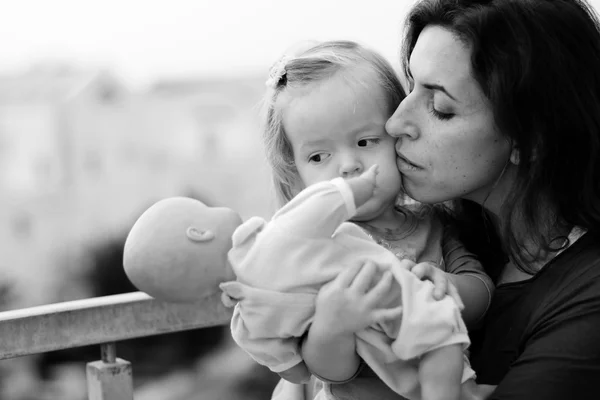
(404, 164)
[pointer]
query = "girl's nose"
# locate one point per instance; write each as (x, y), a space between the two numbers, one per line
(350, 166)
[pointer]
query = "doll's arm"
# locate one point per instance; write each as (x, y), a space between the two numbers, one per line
(269, 325)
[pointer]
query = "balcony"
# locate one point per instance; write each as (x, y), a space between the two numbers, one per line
(103, 321)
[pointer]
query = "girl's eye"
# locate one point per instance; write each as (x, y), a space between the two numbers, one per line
(368, 142)
(318, 158)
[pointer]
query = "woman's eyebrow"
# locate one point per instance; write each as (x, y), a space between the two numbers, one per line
(433, 86)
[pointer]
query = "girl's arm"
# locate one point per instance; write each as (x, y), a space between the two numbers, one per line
(440, 373)
(348, 304)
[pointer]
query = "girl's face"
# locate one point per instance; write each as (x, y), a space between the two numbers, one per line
(448, 145)
(337, 129)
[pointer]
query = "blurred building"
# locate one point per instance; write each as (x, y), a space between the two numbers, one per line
(81, 156)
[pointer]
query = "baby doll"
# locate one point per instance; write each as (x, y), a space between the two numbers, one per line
(180, 250)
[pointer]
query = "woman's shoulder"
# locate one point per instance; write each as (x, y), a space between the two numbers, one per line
(579, 261)
(571, 281)
(551, 321)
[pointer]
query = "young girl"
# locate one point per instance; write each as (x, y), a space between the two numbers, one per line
(326, 110)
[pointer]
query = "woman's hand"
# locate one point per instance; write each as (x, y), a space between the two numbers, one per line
(350, 303)
(441, 280)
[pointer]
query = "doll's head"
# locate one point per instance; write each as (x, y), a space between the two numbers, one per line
(177, 249)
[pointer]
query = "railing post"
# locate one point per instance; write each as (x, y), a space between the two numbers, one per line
(110, 378)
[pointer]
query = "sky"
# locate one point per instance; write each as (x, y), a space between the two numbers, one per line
(143, 41)
(147, 40)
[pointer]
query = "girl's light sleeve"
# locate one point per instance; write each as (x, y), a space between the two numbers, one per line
(317, 211)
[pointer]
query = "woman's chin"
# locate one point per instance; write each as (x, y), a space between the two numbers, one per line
(424, 194)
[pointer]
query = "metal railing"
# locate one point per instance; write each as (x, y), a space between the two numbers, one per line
(103, 321)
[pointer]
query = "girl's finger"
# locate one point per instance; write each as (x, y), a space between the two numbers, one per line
(362, 280)
(346, 277)
(387, 314)
(406, 264)
(423, 270)
(381, 289)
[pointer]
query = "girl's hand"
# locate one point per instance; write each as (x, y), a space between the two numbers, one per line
(441, 281)
(298, 374)
(472, 391)
(350, 303)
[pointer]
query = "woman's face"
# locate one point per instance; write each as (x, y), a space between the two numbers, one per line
(448, 145)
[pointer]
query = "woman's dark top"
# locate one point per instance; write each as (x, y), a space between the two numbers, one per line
(541, 337)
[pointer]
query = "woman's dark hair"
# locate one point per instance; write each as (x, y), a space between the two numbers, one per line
(538, 62)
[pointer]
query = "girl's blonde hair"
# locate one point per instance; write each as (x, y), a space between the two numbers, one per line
(315, 64)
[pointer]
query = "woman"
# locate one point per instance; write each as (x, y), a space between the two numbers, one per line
(503, 117)
(504, 114)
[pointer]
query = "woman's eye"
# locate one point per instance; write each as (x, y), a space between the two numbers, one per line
(368, 142)
(318, 158)
(440, 115)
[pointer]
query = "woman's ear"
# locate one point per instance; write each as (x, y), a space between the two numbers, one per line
(515, 155)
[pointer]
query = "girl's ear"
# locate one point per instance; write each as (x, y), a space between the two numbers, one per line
(297, 185)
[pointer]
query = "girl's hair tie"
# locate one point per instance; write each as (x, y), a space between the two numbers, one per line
(277, 72)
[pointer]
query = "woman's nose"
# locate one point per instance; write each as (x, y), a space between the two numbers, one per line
(400, 123)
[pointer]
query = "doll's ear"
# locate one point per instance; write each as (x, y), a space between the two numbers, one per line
(199, 235)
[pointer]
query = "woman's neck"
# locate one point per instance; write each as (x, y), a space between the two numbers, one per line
(532, 242)
(493, 197)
